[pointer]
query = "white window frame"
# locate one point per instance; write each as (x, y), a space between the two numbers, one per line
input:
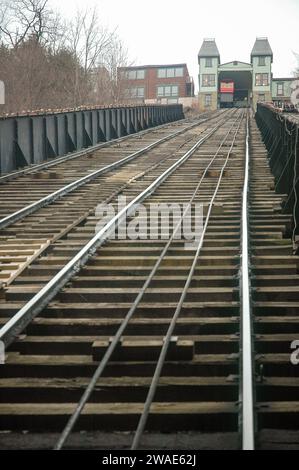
(172, 72)
(179, 72)
(134, 92)
(280, 85)
(262, 61)
(138, 74)
(208, 100)
(260, 79)
(169, 91)
(210, 82)
(161, 73)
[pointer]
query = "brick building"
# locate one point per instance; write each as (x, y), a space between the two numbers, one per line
(157, 84)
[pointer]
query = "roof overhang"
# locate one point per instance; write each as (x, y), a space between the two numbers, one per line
(235, 66)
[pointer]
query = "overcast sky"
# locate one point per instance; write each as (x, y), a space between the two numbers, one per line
(171, 31)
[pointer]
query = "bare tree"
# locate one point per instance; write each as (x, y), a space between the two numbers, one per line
(21, 20)
(88, 39)
(100, 52)
(49, 62)
(117, 57)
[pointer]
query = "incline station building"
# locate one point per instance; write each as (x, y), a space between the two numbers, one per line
(239, 83)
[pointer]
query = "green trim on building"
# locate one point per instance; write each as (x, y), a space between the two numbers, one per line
(260, 85)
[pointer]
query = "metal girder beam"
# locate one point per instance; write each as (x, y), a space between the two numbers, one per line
(32, 139)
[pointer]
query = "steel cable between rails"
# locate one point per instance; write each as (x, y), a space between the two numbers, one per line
(155, 381)
(295, 181)
(115, 340)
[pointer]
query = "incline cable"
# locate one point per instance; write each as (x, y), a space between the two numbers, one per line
(295, 180)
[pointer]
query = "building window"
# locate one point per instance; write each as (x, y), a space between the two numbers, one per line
(173, 72)
(162, 73)
(280, 89)
(208, 79)
(208, 101)
(179, 72)
(140, 74)
(209, 62)
(136, 74)
(262, 79)
(262, 61)
(167, 91)
(136, 92)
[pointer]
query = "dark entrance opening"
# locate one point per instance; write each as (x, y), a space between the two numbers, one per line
(242, 89)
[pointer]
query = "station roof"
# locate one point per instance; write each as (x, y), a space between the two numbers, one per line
(235, 65)
(209, 49)
(261, 48)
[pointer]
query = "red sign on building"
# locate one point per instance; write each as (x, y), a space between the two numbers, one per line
(227, 87)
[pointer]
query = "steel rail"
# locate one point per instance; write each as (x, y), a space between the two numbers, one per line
(25, 315)
(86, 151)
(50, 198)
(247, 400)
(80, 153)
(116, 338)
(167, 340)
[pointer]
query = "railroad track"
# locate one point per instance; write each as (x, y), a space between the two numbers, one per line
(144, 336)
(41, 207)
(275, 293)
(32, 184)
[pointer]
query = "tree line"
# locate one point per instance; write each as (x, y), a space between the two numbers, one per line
(48, 62)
